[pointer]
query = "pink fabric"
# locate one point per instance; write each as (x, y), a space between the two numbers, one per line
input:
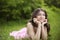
(19, 34)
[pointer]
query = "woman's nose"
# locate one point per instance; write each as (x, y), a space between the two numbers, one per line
(41, 17)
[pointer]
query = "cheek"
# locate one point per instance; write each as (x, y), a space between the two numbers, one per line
(38, 17)
(43, 17)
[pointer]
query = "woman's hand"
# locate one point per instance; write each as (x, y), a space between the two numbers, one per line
(36, 21)
(44, 30)
(45, 21)
(38, 31)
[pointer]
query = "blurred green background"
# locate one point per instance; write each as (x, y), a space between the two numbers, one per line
(14, 15)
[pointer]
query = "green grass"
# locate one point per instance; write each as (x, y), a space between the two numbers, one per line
(7, 27)
(54, 17)
(54, 20)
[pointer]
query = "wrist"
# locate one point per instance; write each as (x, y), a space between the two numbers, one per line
(39, 23)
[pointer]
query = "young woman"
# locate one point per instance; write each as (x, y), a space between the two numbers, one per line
(37, 28)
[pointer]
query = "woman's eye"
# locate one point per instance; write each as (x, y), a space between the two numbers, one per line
(43, 14)
(39, 14)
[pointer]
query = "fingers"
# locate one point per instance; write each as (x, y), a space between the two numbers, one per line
(34, 19)
(45, 20)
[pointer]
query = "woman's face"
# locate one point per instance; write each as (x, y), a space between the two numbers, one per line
(41, 16)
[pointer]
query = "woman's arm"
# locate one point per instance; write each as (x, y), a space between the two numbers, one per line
(44, 32)
(38, 33)
(30, 30)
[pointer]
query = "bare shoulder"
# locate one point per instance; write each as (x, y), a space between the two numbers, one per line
(29, 23)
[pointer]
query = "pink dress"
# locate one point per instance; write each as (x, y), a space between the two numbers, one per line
(22, 33)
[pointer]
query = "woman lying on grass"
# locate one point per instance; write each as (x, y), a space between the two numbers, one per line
(37, 28)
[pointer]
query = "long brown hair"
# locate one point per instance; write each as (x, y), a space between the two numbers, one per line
(35, 12)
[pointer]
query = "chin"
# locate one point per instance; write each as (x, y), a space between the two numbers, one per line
(41, 21)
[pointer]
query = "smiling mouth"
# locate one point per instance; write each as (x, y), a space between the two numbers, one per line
(40, 20)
